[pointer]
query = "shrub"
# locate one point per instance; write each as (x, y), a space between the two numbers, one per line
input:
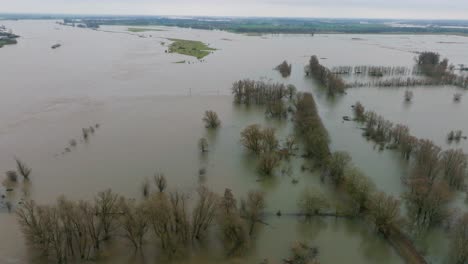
(211, 119)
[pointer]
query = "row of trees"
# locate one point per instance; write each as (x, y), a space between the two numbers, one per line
(439, 72)
(324, 76)
(310, 128)
(374, 71)
(434, 172)
(70, 231)
(274, 95)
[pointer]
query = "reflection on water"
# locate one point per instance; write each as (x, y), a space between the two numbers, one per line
(149, 122)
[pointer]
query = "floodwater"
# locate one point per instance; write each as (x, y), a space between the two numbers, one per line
(149, 110)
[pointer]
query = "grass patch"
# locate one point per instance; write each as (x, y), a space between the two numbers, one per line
(193, 48)
(137, 30)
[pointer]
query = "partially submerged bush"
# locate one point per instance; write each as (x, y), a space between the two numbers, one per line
(211, 119)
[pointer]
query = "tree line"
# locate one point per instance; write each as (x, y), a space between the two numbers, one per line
(373, 71)
(77, 230)
(434, 177)
(429, 64)
(332, 82)
(275, 96)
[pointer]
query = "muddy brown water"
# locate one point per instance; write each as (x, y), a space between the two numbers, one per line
(149, 110)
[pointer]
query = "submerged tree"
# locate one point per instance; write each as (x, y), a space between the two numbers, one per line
(268, 162)
(359, 112)
(211, 119)
(134, 222)
(427, 202)
(252, 209)
(22, 168)
(107, 209)
(337, 165)
(252, 138)
(454, 167)
(359, 188)
(232, 226)
(204, 212)
(160, 181)
(384, 212)
(284, 68)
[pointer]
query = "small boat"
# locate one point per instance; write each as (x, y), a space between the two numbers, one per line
(56, 46)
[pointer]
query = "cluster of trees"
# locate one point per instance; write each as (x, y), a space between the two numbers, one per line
(310, 128)
(430, 64)
(284, 68)
(454, 136)
(434, 175)
(69, 231)
(374, 71)
(327, 78)
(439, 72)
(273, 95)
(264, 143)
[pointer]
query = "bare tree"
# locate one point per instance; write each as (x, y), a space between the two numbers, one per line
(145, 188)
(23, 169)
(454, 166)
(108, 209)
(160, 181)
(269, 141)
(252, 209)
(268, 162)
(134, 222)
(427, 202)
(427, 160)
(204, 212)
(211, 119)
(252, 138)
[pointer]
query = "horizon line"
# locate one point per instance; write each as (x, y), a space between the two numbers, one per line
(228, 16)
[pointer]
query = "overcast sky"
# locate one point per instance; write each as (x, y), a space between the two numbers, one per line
(431, 9)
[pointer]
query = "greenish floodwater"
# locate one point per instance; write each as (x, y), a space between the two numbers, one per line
(150, 113)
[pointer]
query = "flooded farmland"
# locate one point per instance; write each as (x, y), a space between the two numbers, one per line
(149, 109)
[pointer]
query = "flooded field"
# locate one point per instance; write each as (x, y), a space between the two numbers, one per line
(149, 111)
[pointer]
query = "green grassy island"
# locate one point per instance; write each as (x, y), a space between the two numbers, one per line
(192, 48)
